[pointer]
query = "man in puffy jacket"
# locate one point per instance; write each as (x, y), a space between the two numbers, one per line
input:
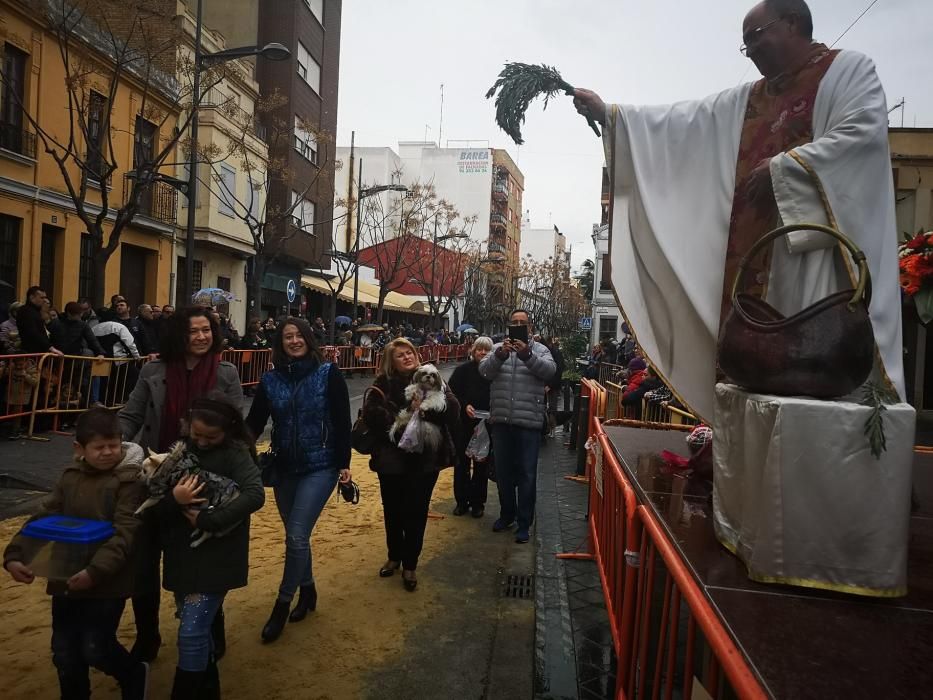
(519, 372)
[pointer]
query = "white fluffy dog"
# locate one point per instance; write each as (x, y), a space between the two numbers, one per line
(427, 383)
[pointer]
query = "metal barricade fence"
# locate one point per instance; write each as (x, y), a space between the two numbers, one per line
(250, 364)
(19, 385)
(630, 549)
(671, 617)
(70, 384)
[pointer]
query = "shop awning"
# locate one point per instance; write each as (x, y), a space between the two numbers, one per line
(368, 294)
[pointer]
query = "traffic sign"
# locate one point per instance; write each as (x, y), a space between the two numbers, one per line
(586, 323)
(291, 291)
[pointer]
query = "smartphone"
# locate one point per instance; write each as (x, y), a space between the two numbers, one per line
(518, 333)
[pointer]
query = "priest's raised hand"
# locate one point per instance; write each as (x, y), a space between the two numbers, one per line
(589, 104)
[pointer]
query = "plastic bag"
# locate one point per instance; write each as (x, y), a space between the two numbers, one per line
(411, 438)
(478, 447)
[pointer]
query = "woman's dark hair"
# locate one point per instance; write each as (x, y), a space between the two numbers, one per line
(173, 345)
(279, 357)
(97, 423)
(216, 411)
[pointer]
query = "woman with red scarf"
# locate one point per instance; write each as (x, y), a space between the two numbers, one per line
(188, 368)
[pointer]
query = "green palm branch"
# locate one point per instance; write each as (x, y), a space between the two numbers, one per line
(518, 85)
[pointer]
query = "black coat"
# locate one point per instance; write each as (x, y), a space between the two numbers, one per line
(32, 333)
(73, 336)
(220, 563)
(471, 389)
(379, 416)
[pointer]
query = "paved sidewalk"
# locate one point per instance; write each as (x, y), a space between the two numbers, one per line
(574, 657)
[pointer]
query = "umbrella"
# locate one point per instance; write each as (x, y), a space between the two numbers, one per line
(211, 296)
(370, 328)
(342, 321)
(465, 327)
(471, 330)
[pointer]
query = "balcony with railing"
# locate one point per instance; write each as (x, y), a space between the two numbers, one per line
(498, 220)
(497, 248)
(500, 191)
(13, 137)
(158, 200)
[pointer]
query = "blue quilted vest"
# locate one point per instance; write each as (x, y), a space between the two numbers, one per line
(301, 420)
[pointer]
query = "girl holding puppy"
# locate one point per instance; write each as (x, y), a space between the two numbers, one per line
(200, 577)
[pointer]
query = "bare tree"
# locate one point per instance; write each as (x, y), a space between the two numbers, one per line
(274, 229)
(106, 45)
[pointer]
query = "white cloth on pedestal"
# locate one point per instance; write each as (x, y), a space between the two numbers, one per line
(798, 496)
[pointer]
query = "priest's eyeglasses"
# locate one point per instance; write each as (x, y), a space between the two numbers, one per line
(752, 37)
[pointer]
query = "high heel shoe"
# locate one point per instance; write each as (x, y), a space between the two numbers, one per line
(389, 568)
(409, 580)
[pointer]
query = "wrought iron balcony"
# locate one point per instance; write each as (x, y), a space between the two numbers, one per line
(158, 200)
(498, 220)
(13, 137)
(497, 248)
(500, 191)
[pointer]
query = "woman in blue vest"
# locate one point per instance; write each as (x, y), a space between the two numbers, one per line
(310, 408)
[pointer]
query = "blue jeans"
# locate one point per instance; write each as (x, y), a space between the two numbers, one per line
(516, 451)
(195, 613)
(300, 499)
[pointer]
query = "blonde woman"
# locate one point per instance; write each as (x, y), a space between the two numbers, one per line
(406, 479)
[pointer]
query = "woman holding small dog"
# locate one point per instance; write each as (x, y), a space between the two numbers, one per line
(309, 403)
(407, 479)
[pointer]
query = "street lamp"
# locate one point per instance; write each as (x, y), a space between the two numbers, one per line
(434, 257)
(272, 52)
(361, 194)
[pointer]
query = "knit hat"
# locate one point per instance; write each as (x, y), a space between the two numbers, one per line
(699, 438)
(637, 363)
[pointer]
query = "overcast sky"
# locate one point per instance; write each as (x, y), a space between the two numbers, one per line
(395, 55)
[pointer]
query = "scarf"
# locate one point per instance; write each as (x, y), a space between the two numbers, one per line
(181, 388)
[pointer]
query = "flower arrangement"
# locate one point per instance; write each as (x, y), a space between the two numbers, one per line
(915, 262)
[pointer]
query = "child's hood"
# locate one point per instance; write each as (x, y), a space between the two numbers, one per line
(129, 466)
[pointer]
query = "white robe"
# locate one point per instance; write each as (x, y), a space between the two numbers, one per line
(674, 180)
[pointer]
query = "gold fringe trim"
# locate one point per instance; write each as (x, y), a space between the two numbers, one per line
(899, 592)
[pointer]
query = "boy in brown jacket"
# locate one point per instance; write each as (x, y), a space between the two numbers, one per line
(102, 484)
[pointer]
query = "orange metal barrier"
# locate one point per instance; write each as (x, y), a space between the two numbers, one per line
(19, 385)
(250, 364)
(627, 544)
(683, 610)
(70, 384)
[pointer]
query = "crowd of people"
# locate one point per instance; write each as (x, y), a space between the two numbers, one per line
(186, 406)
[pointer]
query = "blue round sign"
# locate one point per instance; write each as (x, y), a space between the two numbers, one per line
(291, 291)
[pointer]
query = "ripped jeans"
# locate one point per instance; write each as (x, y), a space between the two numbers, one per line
(300, 499)
(195, 613)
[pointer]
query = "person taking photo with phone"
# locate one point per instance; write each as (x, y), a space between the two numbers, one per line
(519, 369)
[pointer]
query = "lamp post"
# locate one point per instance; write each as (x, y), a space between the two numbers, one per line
(360, 195)
(272, 52)
(434, 262)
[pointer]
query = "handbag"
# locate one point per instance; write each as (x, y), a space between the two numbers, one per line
(362, 439)
(826, 350)
(266, 463)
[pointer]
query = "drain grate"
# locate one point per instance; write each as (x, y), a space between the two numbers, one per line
(519, 586)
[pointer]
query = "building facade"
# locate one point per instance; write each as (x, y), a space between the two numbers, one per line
(480, 182)
(42, 239)
(607, 316)
(541, 245)
(229, 190)
(308, 85)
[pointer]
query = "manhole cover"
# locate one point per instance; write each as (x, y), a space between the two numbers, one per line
(519, 586)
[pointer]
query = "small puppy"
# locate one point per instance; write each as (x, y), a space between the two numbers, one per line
(162, 472)
(427, 383)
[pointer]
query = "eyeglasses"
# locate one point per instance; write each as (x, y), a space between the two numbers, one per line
(754, 36)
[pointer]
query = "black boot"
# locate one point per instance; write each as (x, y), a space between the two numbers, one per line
(219, 635)
(188, 685)
(307, 602)
(210, 690)
(148, 639)
(276, 622)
